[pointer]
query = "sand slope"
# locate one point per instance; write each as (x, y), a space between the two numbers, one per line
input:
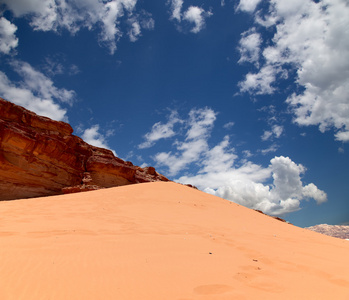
(161, 241)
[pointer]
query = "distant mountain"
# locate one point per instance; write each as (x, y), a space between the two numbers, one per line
(338, 231)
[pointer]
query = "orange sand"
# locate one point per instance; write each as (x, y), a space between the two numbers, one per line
(161, 241)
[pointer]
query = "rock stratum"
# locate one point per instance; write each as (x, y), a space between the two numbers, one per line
(42, 157)
(338, 231)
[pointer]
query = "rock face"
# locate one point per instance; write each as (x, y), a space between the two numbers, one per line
(41, 157)
(338, 231)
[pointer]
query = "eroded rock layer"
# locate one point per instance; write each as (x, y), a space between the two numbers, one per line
(41, 157)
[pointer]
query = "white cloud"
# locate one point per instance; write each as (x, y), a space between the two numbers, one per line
(8, 39)
(249, 46)
(309, 38)
(35, 92)
(41, 85)
(219, 158)
(105, 16)
(247, 153)
(276, 131)
(246, 186)
(93, 137)
(43, 12)
(160, 131)
(248, 5)
(199, 123)
(311, 191)
(187, 153)
(260, 83)
(135, 31)
(286, 175)
(266, 135)
(137, 22)
(193, 14)
(108, 16)
(228, 125)
(176, 8)
(342, 136)
(276, 189)
(270, 149)
(197, 16)
(25, 98)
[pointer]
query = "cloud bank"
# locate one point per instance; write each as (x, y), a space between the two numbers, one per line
(74, 15)
(276, 189)
(309, 40)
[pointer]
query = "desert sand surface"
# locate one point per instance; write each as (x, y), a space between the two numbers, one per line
(162, 241)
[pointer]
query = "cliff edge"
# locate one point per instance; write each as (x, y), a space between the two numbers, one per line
(41, 157)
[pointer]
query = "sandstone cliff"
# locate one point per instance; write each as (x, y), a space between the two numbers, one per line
(41, 157)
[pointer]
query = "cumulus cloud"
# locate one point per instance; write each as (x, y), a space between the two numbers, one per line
(73, 15)
(35, 92)
(161, 131)
(93, 137)
(311, 191)
(246, 185)
(309, 39)
(276, 189)
(193, 14)
(8, 39)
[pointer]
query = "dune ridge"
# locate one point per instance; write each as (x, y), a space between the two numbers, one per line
(161, 240)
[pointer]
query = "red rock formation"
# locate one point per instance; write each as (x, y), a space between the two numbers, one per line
(41, 157)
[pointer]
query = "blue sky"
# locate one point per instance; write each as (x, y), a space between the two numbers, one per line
(247, 100)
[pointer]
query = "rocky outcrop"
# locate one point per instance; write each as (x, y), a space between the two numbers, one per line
(338, 231)
(41, 157)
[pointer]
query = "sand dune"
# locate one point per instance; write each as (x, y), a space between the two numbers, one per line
(161, 241)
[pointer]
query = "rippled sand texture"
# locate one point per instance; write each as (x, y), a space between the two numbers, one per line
(161, 241)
